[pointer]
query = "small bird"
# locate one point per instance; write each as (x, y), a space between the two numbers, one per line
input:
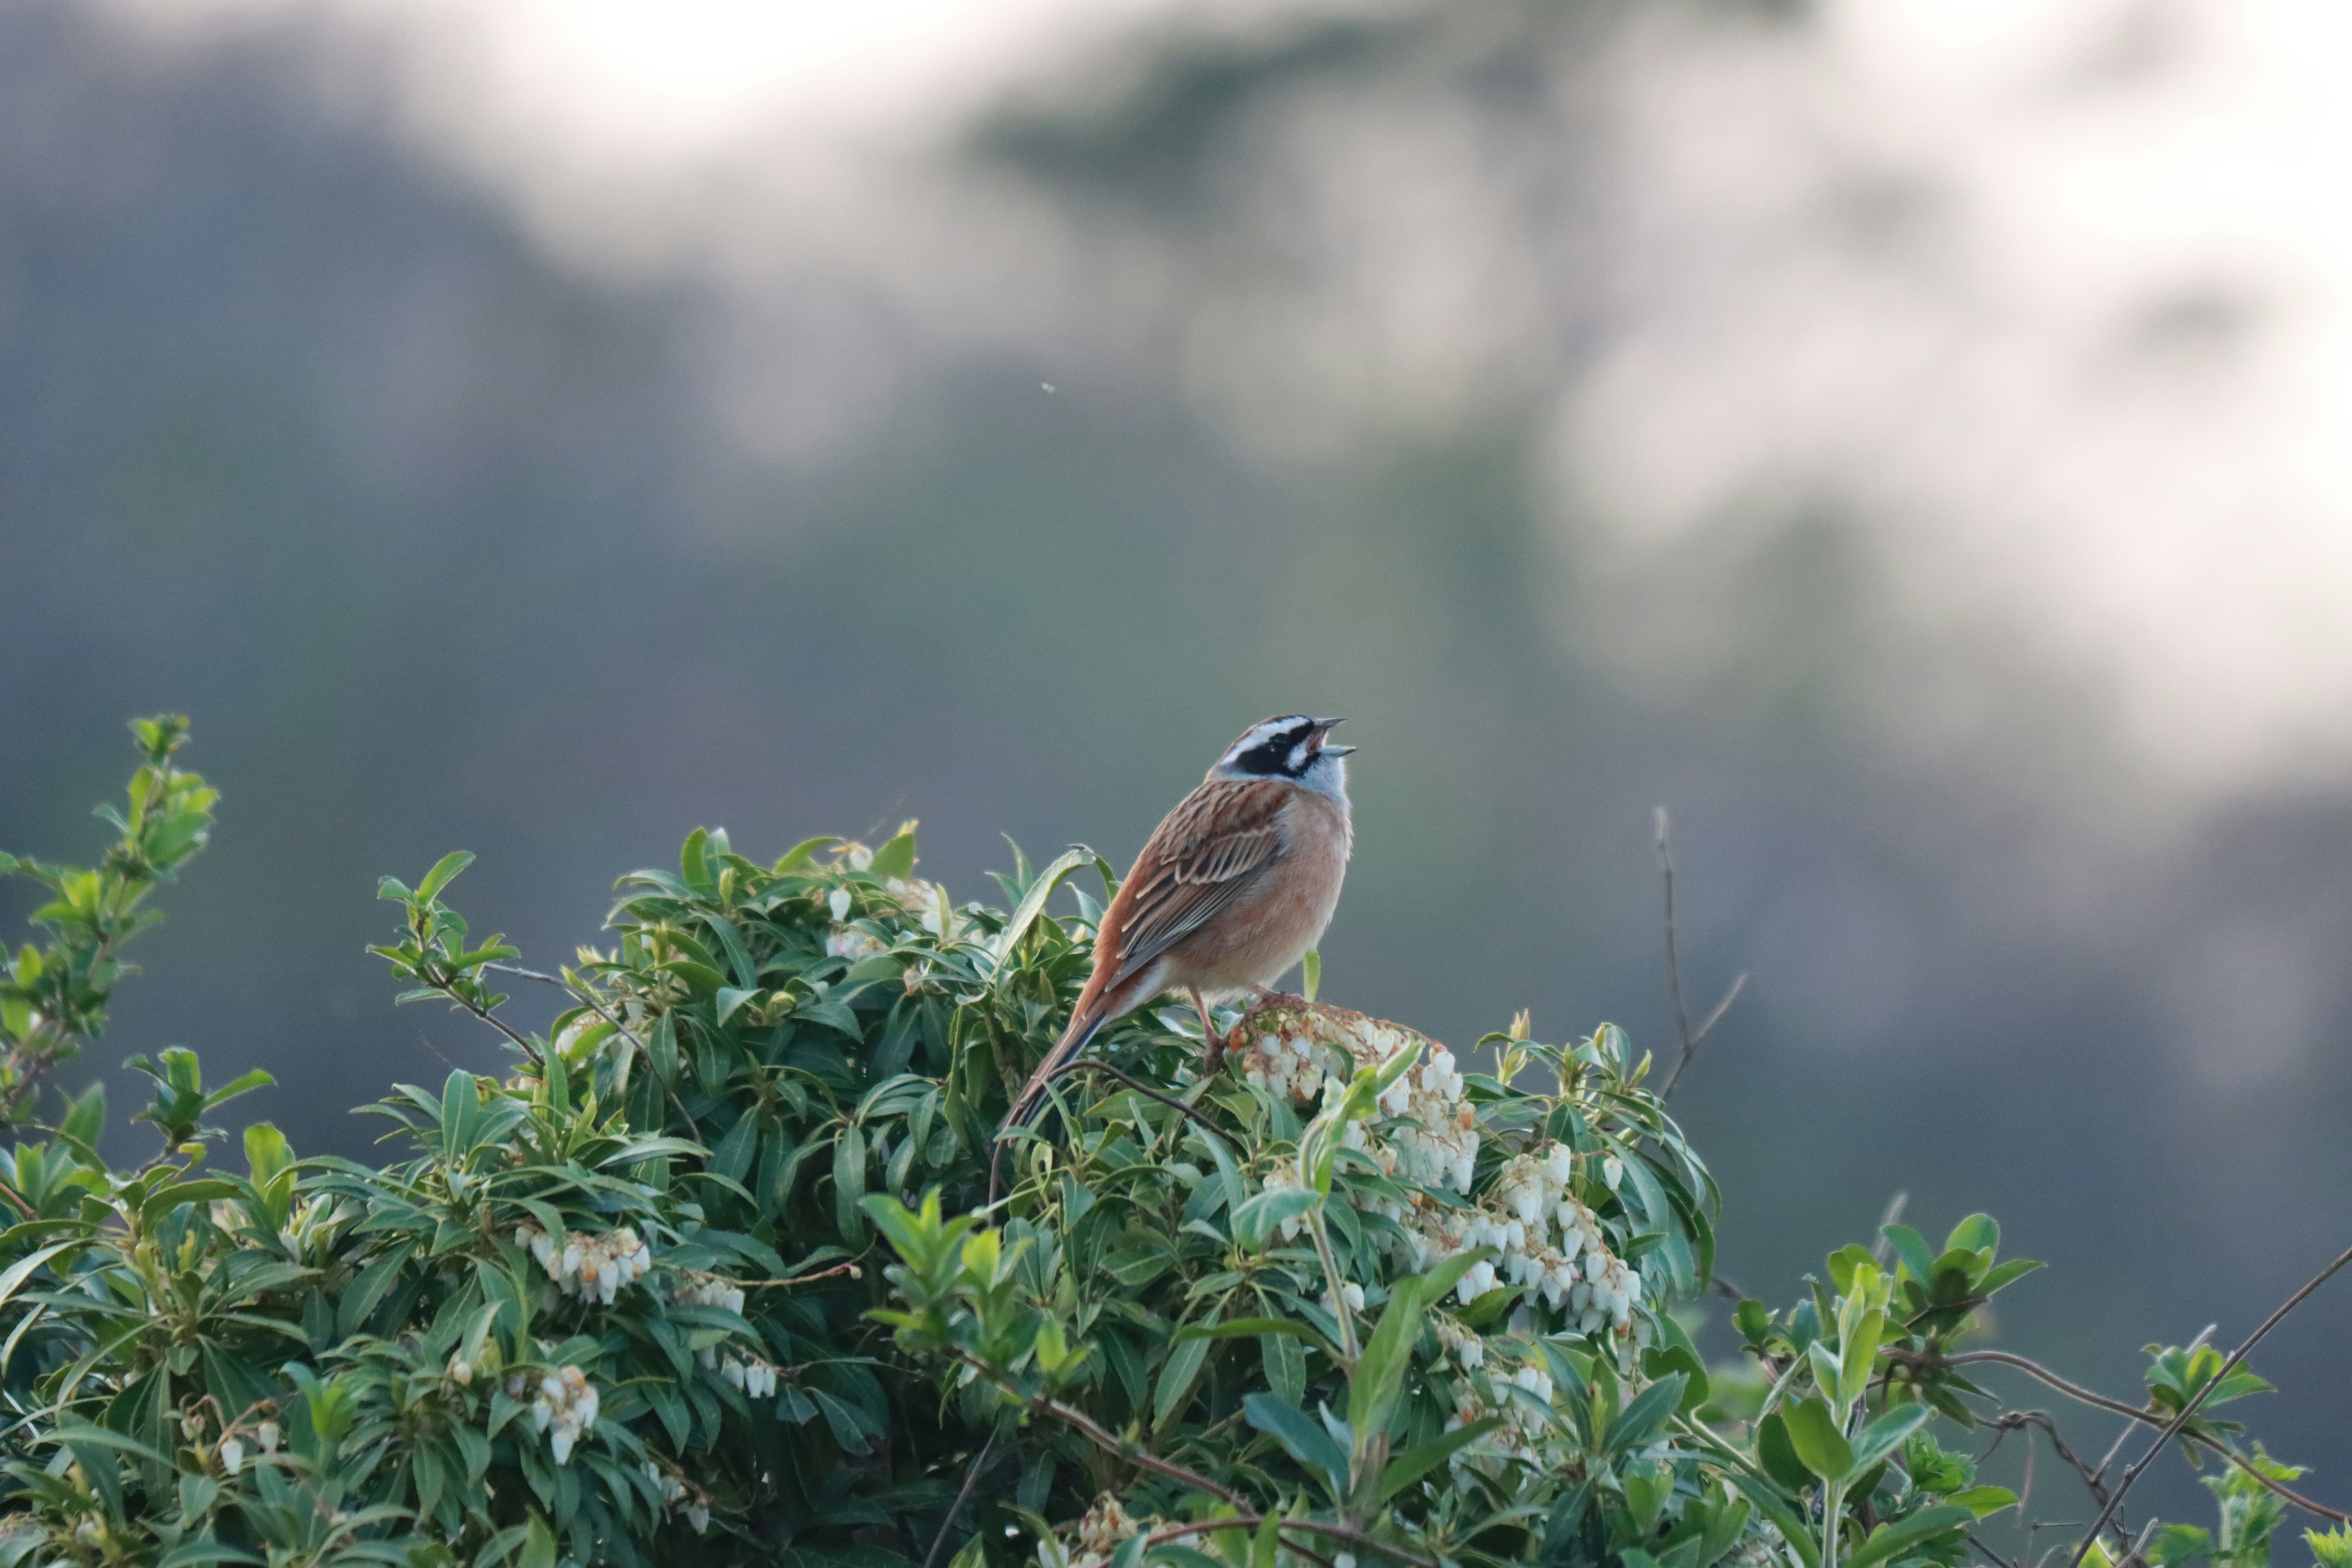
(1232, 889)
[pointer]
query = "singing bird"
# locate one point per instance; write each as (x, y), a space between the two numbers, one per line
(1234, 886)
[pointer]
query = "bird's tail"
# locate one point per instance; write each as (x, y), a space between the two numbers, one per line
(1084, 1025)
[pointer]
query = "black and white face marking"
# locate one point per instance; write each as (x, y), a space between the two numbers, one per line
(1290, 747)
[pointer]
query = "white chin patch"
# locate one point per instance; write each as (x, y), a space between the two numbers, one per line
(1301, 755)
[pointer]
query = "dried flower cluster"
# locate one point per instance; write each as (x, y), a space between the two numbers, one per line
(1099, 1531)
(593, 1267)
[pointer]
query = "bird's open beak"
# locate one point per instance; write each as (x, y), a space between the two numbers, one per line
(1324, 727)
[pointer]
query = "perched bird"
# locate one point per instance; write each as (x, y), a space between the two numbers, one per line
(1232, 889)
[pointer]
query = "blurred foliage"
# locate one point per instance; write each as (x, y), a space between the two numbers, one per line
(715, 1274)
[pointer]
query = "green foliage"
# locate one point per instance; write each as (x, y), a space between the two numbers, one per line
(716, 1276)
(53, 996)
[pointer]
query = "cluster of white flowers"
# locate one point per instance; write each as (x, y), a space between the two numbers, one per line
(1555, 1243)
(1100, 1531)
(564, 1406)
(709, 1291)
(921, 898)
(1459, 1345)
(673, 1490)
(1437, 1144)
(593, 1267)
(1519, 1433)
(755, 1377)
(1285, 1061)
(1428, 1134)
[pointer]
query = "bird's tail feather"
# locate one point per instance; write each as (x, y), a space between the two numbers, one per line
(1084, 1025)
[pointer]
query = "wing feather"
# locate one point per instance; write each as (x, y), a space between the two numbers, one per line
(1206, 852)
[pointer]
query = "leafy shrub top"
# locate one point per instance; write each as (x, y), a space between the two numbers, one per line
(731, 1268)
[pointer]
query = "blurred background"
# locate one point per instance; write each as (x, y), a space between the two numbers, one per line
(1906, 440)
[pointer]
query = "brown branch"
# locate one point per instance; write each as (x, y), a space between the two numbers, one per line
(1143, 1458)
(2146, 1417)
(1170, 1100)
(484, 1014)
(971, 1476)
(1246, 1520)
(2189, 1411)
(1996, 1558)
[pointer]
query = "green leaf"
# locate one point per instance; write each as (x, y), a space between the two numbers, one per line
(1032, 902)
(1780, 1454)
(1286, 1366)
(538, 1552)
(1301, 1436)
(1247, 1328)
(895, 861)
(1819, 1446)
(694, 865)
(1649, 1410)
(1885, 1435)
(1889, 1540)
(849, 1183)
(1983, 1501)
(1310, 974)
(1419, 1460)
(730, 998)
(86, 1116)
(801, 856)
(2009, 1273)
(1978, 1233)
(445, 871)
(1910, 1250)
(1177, 1376)
(1258, 1218)
(22, 1269)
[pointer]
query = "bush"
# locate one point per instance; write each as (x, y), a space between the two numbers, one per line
(715, 1275)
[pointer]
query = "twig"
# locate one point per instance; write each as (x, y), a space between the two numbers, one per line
(1145, 1089)
(971, 1476)
(2146, 1417)
(1143, 1458)
(1715, 1014)
(2018, 1420)
(495, 1022)
(1998, 1560)
(1691, 1039)
(2189, 1411)
(1674, 961)
(643, 1051)
(1247, 1520)
(850, 1269)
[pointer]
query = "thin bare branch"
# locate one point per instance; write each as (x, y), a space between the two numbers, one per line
(970, 1476)
(1690, 1039)
(1170, 1101)
(2146, 1417)
(1144, 1459)
(2189, 1411)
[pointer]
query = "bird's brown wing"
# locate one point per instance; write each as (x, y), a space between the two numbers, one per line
(1206, 853)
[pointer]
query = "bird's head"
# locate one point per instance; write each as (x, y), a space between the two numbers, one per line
(1293, 747)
